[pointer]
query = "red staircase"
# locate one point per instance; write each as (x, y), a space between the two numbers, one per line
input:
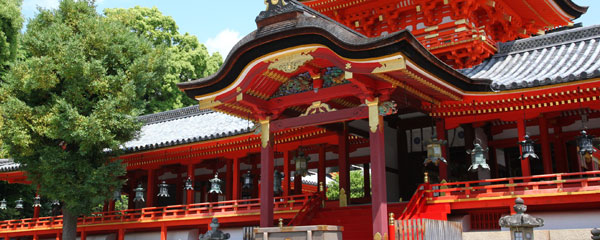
(307, 211)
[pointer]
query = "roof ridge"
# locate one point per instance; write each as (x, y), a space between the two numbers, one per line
(172, 114)
(551, 39)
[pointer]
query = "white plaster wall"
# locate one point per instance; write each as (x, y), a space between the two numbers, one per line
(569, 220)
(565, 234)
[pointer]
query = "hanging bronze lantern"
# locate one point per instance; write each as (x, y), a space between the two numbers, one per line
(189, 185)
(19, 204)
(247, 180)
(585, 146)
(478, 156)
(37, 201)
(3, 204)
(55, 203)
(139, 194)
(163, 190)
(277, 177)
(215, 185)
(434, 151)
(117, 196)
(301, 161)
(527, 148)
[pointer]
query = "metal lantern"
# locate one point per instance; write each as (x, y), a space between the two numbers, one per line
(139, 194)
(434, 151)
(55, 203)
(301, 160)
(215, 185)
(117, 196)
(277, 176)
(527, 148)
(163, 190)
(478, 156)
(37, 201)
(189, 185)
(3, 204)
(247, 180)
(585, 146)
(19, 204)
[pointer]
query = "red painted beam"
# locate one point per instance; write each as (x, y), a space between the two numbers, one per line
(321, 118)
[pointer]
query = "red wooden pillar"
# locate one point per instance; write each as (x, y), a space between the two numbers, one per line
(163, 232)
(151, 185)
(236, 179)
(562, 166)
(525, 169)
(121, 234)
(266, 175)
(35, 237)
(229, 180)
(191, 175)
(111, 205)
(344, 163)
(322, 169)
(104, 207)
(83, 235)
(377, 147)
(298, 184)
(58, 235)
(286, 172)
(179, 186)
(36, 212)
(545, 142)
(440, 128)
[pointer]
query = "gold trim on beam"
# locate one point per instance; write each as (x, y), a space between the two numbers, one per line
(391, 65)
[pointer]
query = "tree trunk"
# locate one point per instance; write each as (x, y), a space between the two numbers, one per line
(69, 231)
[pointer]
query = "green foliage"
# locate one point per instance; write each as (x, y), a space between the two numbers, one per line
(357, 186)
(10, 25)
(73, 99)
(185, 57)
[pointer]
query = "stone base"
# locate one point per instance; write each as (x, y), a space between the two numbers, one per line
(319, 232)
(565, 234)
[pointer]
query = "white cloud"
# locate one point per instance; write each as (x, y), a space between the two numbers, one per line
(223, 42)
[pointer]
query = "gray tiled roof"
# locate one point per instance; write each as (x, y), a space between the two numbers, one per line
(8, 165)
(185, 125)
(564, 56)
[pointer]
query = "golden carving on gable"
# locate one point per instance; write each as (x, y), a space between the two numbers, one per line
(291, 62)
(208, 103)
(391, 65)
(318, 107)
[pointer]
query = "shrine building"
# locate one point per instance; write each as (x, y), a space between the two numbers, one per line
(446, 109)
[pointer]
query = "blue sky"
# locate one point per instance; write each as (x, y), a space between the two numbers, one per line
(220, 24)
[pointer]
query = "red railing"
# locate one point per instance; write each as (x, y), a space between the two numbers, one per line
(154, 213)
(416, 203)
(307, 209)
(539, 184)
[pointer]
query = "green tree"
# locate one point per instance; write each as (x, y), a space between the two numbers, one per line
(357, 184)
(10, 25)
(72, 101)
(187, 58)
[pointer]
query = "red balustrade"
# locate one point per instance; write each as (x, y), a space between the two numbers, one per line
(158, 213)
(545, 185)
(531, 185)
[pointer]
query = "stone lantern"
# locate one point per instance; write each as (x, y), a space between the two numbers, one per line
(215, 233)
(521, 224)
